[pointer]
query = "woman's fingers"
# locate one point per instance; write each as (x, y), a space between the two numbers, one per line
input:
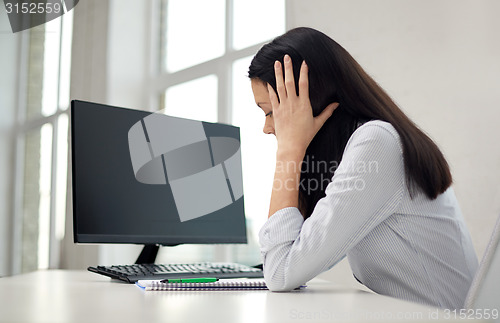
(304, 82)
(272, 97)
(289, 80)
(285, 87)
(280, 86)
(320, 120)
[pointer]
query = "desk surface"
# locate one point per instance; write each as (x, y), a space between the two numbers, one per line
(80, 296)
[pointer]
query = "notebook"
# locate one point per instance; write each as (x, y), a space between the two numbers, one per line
(222, 284)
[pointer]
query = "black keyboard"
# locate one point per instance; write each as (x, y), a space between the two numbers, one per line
(133, 273)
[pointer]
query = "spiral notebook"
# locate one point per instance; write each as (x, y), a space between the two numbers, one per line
(223, 284)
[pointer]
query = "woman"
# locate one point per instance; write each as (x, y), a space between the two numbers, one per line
(354, 177)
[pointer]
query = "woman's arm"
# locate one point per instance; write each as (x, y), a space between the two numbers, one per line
(295, 127)
(285, 192)
(367, 188)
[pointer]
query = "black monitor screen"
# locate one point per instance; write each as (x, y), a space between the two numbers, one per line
(148, 178)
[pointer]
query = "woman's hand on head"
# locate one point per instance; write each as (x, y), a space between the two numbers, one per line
(294, 123)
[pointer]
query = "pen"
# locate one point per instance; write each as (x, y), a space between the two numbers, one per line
(190, 280)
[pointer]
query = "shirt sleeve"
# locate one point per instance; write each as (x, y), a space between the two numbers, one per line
(366, 188)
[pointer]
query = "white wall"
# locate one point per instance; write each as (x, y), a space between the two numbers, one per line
(440, 61)
(8, 67)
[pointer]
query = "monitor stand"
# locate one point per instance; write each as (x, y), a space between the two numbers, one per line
(148, 254)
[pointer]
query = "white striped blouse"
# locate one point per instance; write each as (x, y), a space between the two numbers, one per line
(413, 249)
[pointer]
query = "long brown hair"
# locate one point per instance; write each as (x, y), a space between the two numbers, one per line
(334, 76)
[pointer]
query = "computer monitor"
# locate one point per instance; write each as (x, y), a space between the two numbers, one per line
(148, 178)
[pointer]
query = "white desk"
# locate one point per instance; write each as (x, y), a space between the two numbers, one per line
(80, 296)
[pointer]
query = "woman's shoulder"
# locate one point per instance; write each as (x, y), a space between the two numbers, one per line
(380, 134)
(377, 127)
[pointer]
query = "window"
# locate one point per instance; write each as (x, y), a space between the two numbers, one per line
(41, 135)
(202, 106)
(205, 51)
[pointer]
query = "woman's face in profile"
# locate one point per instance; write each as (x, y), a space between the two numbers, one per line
(261, 96)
